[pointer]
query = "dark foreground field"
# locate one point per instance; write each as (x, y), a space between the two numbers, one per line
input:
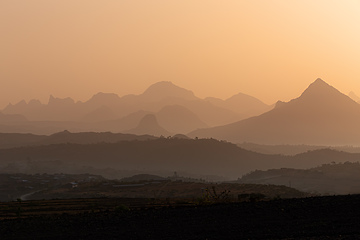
(333, 217)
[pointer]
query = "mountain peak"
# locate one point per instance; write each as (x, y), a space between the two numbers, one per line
(319, 84)
(319, 88)
(149, 125)
(104, 98)
(319, 81)
(164, 89)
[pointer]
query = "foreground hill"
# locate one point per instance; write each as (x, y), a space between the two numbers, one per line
(202, 156)
(320, 116)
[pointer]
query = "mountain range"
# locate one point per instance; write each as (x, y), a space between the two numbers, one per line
(177, 109)
(320, 116)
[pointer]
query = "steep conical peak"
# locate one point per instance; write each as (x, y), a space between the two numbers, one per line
(149, 120)
(149, 125)
(319, 88)
(163, 89)
(319, 81)
(319, 84)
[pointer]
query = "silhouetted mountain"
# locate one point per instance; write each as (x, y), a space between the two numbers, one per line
(57, 109)
(320, 116)
(153, 99)
(174, 118)
(149, 125)
(354, 96)
(161, 90)
(17, 108)
(242, 103)
(210, 114)
(60, 102)
(103, 99)
(178, 119)
(123, 124)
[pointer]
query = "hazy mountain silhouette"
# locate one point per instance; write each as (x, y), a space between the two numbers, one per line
(161, 90)
(210, 114)
(354, 96)
(123, 124)
(149, 125)
(106, 106)
(103, 99)
(242, 103)
(320, 116)
(57, 109)
(178, 119)
(174, 118)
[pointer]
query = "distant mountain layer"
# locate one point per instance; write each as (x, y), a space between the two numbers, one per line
(109, 106)
(202, 156)
(242, 104)
(149, 125)
(320, 116)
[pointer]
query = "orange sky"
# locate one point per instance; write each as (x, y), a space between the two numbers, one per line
(269, 49)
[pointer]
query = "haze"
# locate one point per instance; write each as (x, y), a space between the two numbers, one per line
(268, 49)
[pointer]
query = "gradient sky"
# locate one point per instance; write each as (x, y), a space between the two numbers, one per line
(270, 49)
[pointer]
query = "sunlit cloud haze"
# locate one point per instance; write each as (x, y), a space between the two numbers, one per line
(268, 49)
